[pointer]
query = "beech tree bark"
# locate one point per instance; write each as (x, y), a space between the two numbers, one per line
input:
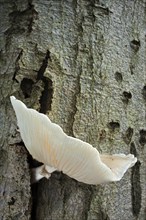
(81, 62)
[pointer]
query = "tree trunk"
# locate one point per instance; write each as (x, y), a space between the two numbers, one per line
(83, 64)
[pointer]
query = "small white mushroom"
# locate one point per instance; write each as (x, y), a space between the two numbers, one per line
(47, 143)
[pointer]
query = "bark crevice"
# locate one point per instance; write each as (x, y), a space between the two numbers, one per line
(17, 67)
(135, 184)
(47, 93)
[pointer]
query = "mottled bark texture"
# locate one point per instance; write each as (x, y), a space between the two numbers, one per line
(83, 63)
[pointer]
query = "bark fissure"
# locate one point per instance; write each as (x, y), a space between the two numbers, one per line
(135, 184)
(144, 93)
(34, 195)
(45, 105)
(142, 139)
(90, 194)
(127, 137)
(44, 65)
(74, 106)
(34, 187)
(17, 67)
(47, 93)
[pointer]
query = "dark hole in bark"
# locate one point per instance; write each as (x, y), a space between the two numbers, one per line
(46, 97)
(135, 44)
(135, 184)
(12, 201)
(126, 97)
(113, 125)
(142, 139)
(144, 92)
(26, 87)
(118, 77)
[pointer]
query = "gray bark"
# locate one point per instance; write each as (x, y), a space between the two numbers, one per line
(83, 64)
